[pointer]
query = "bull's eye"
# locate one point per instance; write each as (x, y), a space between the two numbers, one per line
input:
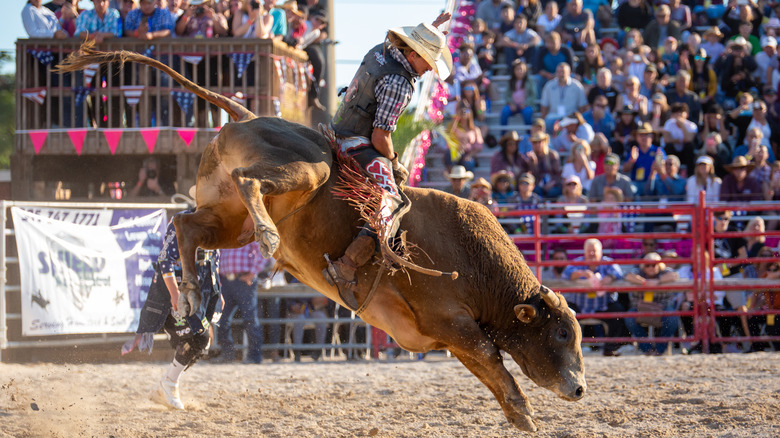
(563, 334)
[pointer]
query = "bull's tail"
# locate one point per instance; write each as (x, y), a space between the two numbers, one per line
(88, 55)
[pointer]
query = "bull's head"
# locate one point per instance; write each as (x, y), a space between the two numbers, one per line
(547, 346)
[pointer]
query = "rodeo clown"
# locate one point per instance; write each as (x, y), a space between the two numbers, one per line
(365, 120)
(188, 335)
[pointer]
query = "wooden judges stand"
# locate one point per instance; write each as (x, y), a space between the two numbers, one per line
(82, 138)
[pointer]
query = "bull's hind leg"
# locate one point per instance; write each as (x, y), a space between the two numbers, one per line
(258, 180)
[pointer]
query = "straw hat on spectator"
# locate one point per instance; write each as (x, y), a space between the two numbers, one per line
(645, 128)
(714, 31)
(540, 136)
(292, 7)
(511, 135)
(502, 174)
(460, 172)
(527, 177)
(739, 162)
(481, 182)
(430, 43)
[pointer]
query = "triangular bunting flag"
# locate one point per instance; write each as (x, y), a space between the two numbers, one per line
(302, 72)
(132, 93)
(150, 138)
(149, 52)
(77, 137)
(184, 99)
(238, 97)
(242, 61)
(89, 73)
(112, 137)
(37, 95)
(278, 66)
(80, 93)
(187, 134)
(38, 139)
(192, 59)
(43, 56)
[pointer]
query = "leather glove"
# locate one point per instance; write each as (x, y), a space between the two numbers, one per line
(400, 174)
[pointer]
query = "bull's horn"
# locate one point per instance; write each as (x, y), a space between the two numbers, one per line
(549, 297)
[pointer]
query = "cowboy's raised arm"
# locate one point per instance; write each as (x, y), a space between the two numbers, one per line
(441, 19)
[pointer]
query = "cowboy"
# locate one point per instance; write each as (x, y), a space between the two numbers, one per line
(365, 120)
(459, 182)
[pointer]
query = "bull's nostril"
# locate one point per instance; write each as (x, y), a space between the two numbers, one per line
(578, 393)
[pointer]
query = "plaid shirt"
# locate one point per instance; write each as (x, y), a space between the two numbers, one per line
(393, 93)
(244, 259)
(588, 304)
(159, 20)
(89, 21)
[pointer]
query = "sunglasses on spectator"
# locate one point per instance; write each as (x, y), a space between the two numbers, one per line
(469, 88)
(597, 105)
(699, 58)
(610, 162)
(571, 184)
(721, 218)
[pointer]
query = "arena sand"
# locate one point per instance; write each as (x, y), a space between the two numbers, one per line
(733, 395)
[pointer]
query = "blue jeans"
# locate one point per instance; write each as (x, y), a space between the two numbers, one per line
(669, 328)
(507, 112)
(240, 296)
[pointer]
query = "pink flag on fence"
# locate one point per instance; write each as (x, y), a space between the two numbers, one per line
(112, 137)
(77, 137)
(38, 139)
(150, 138)
(187, 134)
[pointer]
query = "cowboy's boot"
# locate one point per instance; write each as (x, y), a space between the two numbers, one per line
(341, 273)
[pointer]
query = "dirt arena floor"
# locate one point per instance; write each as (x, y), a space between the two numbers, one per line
(730, 395)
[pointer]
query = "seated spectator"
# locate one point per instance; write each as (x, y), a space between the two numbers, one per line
(558, 255)
(551, 56)
(578, 164)
(597, 276)
(41, 22)
(662, 25)
(653, 274)
(745, 30)
(753, 140)
(665, 182)
(703, 178)
(608, 223)
(599, 118)
(631, 98)
(741, 116)
(670, 57)
(148, 22)
(738, 185)
(482, 193)
(765, 300)
(520, 42)
(766, 60)
(486, 52)
(736, 69)
(545, 164)
(587, 69)
(471, 97)
(762, 171)
(521, 94)
(599, 149)
(459, 181)
(530, 9)
(526, 197)
(490, 12)
(704, 81)
(660, 112)
(634, 14)
(573, 128)
(303, 309)
(609, 49)
(773, 189)
(712, 43)
(503, 190)
(714, 122)
(681, 14)
(604, 88)
(509, 157)
(718, 152)
(772, 105)
(610, 178)
(572, 191)
(577, 26)
(467, 69)
(507, 20)
(468, 140)
(548, 21)
(769, 130)
(625, 129)
(682, 94)
(640, 160)
(562, 96)
(200, 20)
(100, 23)
(679, 134)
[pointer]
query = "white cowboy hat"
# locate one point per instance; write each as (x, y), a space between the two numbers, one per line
(430, 43)
(460, 172)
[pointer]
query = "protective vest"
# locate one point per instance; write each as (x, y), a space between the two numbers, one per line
(355, 115)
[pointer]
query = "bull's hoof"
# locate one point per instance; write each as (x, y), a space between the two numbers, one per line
(189, 298)
(268, 240)
(522, 422)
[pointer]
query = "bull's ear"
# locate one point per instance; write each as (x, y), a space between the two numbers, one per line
(525, 312)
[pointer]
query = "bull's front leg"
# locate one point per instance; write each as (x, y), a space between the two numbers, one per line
(474, 348)
(189, 289)
(251, 192)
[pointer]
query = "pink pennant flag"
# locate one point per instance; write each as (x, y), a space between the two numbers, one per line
(38, 139)
(77, 137)
(150, 138)
(187, 135)
(112, 137)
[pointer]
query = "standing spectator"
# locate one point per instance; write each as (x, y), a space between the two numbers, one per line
(762, 170)
(521, 94)
(634, 14)
(665, 182)
(530, 9)
(489, 11)
(551, 56)
(125, 7)
(599, 118)
(308, 309)
(545, 165)
(604, 88)
(653, 274)
(598, 275)
(632, 99)
(577, 26)
(239, 271)
(767, 61)
(174, 7)
(279, 26)
(753, 139)
(151, 181)
(41, 22)
(625, 128)
(100, 23)
(679, 134)
(736, 68)
(459, 182)
(660, 28)
(250, 22)
(640, 160)
(703, 178)
(562, 96)
(683, 94)
(739, 185)
(148, 22)
(509, 157)
(201, 21)
(67, 15)
(520, 42)
(296, 24)
(548, 21)
(611, 178)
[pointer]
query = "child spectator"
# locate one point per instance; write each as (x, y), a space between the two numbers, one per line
(521, 94)
(545, 164)
(503, 190)
(548, 21)
(599, 148)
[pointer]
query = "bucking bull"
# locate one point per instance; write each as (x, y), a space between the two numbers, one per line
(272, 180)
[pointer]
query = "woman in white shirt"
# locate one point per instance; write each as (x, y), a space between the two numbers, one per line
(579, 164)
(703, 179)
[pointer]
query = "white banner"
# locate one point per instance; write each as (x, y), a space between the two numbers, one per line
(85, 278)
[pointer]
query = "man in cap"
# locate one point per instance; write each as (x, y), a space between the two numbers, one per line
(365, 120)
(610, 178)
(766, 60)
(736, 67)
(642, 156)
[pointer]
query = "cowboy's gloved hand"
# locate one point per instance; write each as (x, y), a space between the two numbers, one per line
(400, 174)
